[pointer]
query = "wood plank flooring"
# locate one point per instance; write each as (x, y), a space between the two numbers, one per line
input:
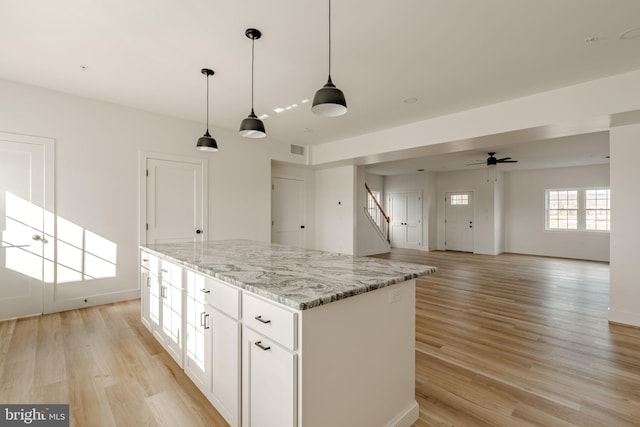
(509, 340)
(515, 340)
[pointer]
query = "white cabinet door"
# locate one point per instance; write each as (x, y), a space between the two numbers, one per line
(225, 365)
(170, 296)
(197, 358)
(269, 382)
(145, 298)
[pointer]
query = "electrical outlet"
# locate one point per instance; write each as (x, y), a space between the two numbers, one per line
(394, 295)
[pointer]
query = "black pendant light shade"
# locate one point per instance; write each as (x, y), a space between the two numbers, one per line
(252, 126)
(206, 142)
(329, 101)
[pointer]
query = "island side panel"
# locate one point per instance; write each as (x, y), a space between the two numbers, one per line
(357, 360)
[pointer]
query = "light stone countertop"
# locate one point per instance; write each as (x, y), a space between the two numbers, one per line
(298, 278)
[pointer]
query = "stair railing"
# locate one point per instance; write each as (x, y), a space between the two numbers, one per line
(377, 213)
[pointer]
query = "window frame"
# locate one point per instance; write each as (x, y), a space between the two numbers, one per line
(581, 210)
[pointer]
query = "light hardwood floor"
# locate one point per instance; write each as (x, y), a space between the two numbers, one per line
(508, 340)
(515, 340)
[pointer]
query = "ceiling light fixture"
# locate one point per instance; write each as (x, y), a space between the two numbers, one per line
(206, 142)
(252, 126)
(329, 101)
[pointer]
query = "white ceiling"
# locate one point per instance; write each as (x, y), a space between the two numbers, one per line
(450, 55)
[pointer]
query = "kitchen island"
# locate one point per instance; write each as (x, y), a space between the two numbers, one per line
(282, 336)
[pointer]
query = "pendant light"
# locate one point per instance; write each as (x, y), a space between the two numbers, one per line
(206, 142)
(329, 101)
(252, 126)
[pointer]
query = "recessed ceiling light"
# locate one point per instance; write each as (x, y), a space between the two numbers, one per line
(410, 100)
(278, 110)
(631, 33)
(420, 170)
(84, 67)
(590, 40)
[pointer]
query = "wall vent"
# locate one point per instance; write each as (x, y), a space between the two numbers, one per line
(297, 149)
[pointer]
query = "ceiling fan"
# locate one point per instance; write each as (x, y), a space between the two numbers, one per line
(492, 160)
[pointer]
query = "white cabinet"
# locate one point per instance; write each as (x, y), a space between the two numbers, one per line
(212, 353)
(161, 300)
(197, 360)
(269, 364)
(225, 366)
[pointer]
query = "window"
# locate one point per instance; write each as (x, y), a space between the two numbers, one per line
(562, 209)
(598, 209)
(459, 199)
(578, 209)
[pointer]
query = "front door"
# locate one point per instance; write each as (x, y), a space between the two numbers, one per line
(175, 200)
(459, 221)
(26, 224)
(287, 212)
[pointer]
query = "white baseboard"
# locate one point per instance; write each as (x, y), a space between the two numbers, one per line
(406, 418)
(624, 317)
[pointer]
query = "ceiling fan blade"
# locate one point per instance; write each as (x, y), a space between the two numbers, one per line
(504, 158)
(507, 161)
(478, 163)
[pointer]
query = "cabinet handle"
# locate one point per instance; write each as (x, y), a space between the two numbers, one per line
(148, 281)
(202, 318)
(259, 344)
(205, 290)
(163, 291)
(206, 321)
(165, 271)
(145, 259)
(261, 320)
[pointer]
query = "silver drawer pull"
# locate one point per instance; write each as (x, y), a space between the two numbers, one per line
(145, 260)
(148, 281)
(163, 291)
(205, 290)
(259, 344)
(165, 270)
(202, 318)
(206, 321)
(261, 320)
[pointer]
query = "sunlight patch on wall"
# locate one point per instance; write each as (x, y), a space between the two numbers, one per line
(81, 254)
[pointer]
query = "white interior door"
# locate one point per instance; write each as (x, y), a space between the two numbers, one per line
(26, 224)
(175, 200)
(287, 212)
(405, 210)
(459, 221)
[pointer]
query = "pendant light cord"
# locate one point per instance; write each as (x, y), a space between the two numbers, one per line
(207, 102)
(329, 38)
(252, 62)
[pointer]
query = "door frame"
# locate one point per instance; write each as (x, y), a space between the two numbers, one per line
(49, 225)
(143, 156)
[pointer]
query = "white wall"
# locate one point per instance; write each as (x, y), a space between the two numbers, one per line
(481, 182)
(335, 209)
(624, 147)
(525, 213)
(281, 170)
(96, 172)
(425, 184)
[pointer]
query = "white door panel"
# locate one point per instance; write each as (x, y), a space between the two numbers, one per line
(287, 212)
(175, 201)
(405, 210)
(459, 221)
(26, 224)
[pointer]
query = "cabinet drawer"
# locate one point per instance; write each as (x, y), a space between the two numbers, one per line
(149, 262)
(223, 297)
(172, 274)
(270, 320)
